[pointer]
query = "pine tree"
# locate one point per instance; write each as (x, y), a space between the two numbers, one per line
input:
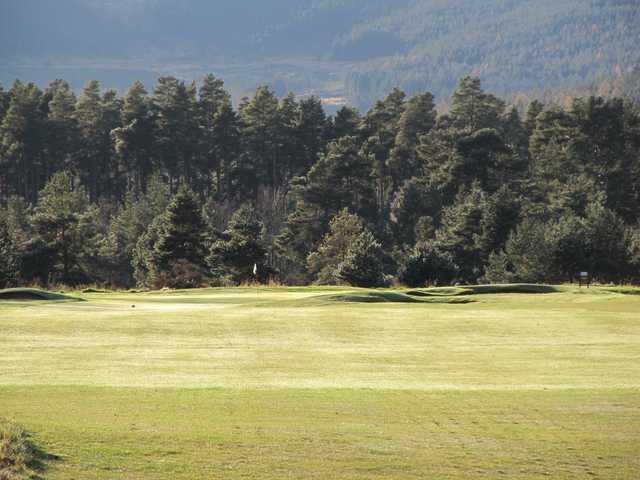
(362, 265)
(220, 134)
(323, 263)
(260, 134)
(239, 248)
(9, 257)
(473, 109)
(56, 222)
(427, 266)
(463, 233)
(418, 118)
(181, 236)
(24, 166)
(176, 121)
(312, 128)
(416, 199)
(97, 116)
(526, 257)
(535, 109)
(345, 123)
(135, 139)
(340, 179)
(131, 224)
(63, 133)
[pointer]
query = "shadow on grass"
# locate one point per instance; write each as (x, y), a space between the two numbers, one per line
(20, 457)
(483, 290)
(373, 297)
(33, 294)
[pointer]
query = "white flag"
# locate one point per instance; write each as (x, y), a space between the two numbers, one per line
(255, 269)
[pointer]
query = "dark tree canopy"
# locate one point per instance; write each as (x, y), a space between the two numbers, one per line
(178, 188)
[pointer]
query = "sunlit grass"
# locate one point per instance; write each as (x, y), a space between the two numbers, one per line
(301, 383)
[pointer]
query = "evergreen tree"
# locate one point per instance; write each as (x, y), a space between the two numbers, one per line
(4, 102)
(24, 167)
(467, 233)
(427, 266)
(312, 129)
(634, 255)
(130, 225)
(417, 119)
(535, 109)
(384, 117)
(472, 109)
(323, 263)
(362, 265)
(239, 248)
(607, 243)
(260, 134)
(62, 131)
(57, 221)
(416, 199)
(9, 259)
(143, 259)
(181, 240)
(346, 123)
(175, 108)
(525, 258)
(97, 116)
(135, 139)
(340, 179)
(219, 134)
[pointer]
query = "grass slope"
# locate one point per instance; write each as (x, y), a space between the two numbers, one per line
(292, 383)
(32, 294)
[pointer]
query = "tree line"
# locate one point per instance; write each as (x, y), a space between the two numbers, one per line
(176, 187)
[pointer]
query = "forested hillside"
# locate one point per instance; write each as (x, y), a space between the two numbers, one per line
(176, 187)
(358, 49)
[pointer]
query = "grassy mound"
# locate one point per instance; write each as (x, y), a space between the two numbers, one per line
(20, 458)
(94, 290)
(384, 297)
(623, 290)
(32, 294)
(483, 290)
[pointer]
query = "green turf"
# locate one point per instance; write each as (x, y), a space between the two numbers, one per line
(33, 294)
(301, 383)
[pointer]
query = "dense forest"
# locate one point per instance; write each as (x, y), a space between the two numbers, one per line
(356, 49)
(175, 187)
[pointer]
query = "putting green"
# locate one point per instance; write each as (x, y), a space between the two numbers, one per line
(328, 383)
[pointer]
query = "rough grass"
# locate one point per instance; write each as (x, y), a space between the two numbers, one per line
(272, 383)
(20, 458)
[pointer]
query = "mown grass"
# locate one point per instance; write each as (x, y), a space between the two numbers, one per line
(301, 383)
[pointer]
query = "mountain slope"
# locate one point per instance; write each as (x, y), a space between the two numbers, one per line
(358, 48)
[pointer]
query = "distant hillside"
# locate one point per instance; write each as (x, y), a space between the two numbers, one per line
(354, 48)
(512, 45)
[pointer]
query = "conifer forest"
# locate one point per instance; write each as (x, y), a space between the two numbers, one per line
(175, 186)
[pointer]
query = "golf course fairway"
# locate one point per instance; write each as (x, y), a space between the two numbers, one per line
(328, 383)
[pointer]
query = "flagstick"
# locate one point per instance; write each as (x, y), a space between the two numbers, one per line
(255, 277)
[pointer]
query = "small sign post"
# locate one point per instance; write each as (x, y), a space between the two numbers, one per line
(584, 279)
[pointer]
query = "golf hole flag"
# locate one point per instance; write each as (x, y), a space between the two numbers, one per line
(255, 269)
